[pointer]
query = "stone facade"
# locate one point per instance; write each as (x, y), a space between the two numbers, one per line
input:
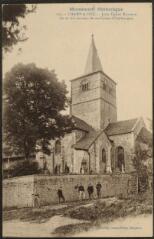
(97, 105)
(86, 104)
(99, 143)
(99, 148)
(126, 141)
(92, 157)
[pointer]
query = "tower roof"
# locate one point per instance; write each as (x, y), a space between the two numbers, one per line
(93, 63)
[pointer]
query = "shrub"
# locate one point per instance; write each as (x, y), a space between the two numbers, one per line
(26, 167)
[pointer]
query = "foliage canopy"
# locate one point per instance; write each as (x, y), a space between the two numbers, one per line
(33, 101)
(12, 30)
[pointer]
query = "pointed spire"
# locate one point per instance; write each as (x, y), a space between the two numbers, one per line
(93, 63)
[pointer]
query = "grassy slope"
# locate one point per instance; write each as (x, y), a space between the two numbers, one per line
(97, 212)
(101, 212)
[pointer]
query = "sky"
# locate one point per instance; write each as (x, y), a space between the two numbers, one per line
(124, 47)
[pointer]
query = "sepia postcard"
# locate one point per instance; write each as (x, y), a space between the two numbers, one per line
(77, 120)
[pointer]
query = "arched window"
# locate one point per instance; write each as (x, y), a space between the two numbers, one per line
(120, 159)
(104, 86)
(103, 161)
(84, 167)
(57, 147)
(110, 90)
(103, 156)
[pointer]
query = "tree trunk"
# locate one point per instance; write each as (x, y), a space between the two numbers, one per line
(26, 150)
(137, 184)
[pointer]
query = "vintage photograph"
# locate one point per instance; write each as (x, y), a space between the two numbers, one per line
(77, 157)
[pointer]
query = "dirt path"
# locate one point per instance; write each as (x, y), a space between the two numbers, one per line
(129, 226)
(139, 226)
(17, 228)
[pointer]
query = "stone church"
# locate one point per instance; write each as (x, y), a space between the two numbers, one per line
(99, 144)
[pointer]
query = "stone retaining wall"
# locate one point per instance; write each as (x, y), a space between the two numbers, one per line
(17, 192)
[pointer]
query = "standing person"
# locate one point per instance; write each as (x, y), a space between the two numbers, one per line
(56, 169)
(82, 170)
(81, 192)
(66, 168)
(90, 190)
(98, 189)
(60, 194)
(36, 200)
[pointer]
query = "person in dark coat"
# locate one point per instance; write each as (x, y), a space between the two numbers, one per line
(66, 168)
(81, 192)
(60, 194)
(36, 200)
(55, 171)
(98, 189)
(90, 190)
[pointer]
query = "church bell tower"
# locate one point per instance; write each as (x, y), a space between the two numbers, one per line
(94, 93)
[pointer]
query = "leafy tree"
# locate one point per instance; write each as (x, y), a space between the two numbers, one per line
(141, 155)
(34, 99)
(12, 30)
(150, 123)
(24, 168)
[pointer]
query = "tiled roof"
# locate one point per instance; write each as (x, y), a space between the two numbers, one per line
(120, 127)
(145, 136)
(80, 124)
(86, 141)
(89, 137)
